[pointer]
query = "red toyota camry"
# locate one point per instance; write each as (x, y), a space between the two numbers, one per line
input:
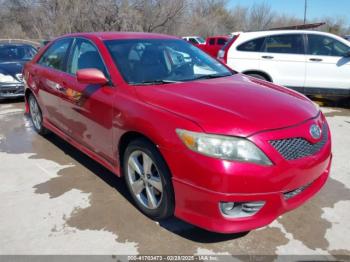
(192, 138)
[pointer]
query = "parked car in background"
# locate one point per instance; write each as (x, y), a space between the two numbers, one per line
(196, 40)
(213, 44)
(347, 37)
(308, 61)
(192, 138)
(12, 59)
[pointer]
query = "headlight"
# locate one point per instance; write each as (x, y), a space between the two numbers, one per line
(223, 147)
(7, 79)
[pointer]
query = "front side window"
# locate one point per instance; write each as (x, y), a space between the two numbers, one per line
(252, 45)
(55, 55)
(285, 44)
(326, 46)
(143, 61)
(85, 55)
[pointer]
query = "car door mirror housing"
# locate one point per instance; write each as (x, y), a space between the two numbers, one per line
(91, 76)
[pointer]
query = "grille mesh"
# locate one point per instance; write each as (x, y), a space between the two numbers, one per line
(295, 148)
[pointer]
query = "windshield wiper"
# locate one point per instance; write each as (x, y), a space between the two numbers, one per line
(210, 76)
(154, 82)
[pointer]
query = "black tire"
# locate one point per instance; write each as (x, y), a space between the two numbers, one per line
(258, 76)
(37, 124)
(166, 205)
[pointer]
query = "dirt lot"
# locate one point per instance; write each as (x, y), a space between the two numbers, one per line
(55, 200)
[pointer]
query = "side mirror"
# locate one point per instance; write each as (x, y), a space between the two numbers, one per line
(91, 76)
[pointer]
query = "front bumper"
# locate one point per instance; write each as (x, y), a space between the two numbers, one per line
(201, 183)
(200, 206)
(11, 90)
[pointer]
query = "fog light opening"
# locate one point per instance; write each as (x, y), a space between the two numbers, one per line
(240, 209)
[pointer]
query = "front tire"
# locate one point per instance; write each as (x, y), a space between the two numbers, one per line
(36, 115)
(148, 179)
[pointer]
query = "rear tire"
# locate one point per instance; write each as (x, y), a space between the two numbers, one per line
(36, 115)
(148, 179)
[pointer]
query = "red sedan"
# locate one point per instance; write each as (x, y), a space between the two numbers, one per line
(192, 138)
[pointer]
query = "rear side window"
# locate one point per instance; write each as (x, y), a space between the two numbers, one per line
(252, 45)
(327, 46)
(221, 41)
(192, 40)
(85, 55)
(55, 55)
(212, 41)
(285, 44)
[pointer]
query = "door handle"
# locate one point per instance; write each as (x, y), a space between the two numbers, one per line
(316, 59)
(267, 57)
(60, 88)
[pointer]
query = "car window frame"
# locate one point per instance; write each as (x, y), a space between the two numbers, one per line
(64, 67)
(70, 57)
(307, 44)
(263, 46)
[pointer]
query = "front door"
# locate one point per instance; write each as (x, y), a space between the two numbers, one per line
(328, 64)
(88, 108)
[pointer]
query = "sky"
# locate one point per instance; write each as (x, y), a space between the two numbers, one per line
(315, 9)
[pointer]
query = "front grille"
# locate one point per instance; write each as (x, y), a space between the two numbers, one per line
(295, 192)
(295, 148)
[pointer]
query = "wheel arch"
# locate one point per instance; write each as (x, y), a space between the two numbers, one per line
(125, 140)
(259, 72)
(27, 93)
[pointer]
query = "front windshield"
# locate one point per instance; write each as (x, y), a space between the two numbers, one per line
(142, 61)
(16, 52)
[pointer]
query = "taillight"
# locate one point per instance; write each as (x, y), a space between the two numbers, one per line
(223, 52)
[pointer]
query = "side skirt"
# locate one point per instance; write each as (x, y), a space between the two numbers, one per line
(82, 148)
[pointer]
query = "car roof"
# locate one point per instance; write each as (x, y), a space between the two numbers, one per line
(274, 32)
(14, 45)
(216, 36)
(122, 35)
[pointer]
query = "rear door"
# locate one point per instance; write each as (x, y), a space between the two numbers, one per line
(327, 66)
(88, 108)
(47, 76)
(283, 58)
(246, 56)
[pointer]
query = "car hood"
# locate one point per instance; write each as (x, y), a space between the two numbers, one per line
(12, 67)
(236, 105)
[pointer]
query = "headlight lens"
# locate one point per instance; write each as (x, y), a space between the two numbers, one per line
(7, 79)
(223, 147)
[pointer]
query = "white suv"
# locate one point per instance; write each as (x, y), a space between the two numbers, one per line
(308, 61)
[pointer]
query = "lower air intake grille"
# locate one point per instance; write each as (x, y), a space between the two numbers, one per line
(295, 148)
(295, 192)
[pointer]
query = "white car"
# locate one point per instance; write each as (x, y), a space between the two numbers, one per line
(197, 40)
(308, 61)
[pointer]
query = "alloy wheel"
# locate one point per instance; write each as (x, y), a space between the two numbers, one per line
(35, 113)
(144, 179)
